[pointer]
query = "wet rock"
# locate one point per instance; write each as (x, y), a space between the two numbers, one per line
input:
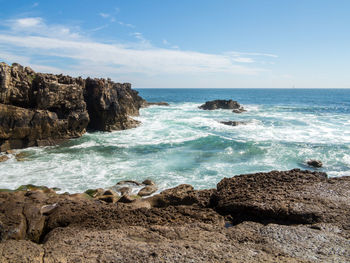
(147, 190)
(148, 182)
(22, 156)
(233, 123)
(4, 158)
(109, 198)
(95, 192)
(315, 163)
(124, 190)
(128, 182)
(222, 104)
(126, 199)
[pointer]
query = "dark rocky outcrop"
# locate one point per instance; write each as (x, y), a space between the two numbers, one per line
(315, 163)
(291, 216)
(223, 104)
(233, 123)
(43, 109)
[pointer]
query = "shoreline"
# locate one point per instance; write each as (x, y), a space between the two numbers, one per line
(237, 221)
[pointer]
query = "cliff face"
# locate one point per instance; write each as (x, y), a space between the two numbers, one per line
(43, 109)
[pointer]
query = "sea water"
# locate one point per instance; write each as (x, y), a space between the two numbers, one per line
(183, 144)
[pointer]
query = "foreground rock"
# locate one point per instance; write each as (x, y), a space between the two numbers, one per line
(43, 109)
(292, 216)
(223, 104)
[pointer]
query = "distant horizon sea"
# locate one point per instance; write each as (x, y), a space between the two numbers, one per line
(283, 128)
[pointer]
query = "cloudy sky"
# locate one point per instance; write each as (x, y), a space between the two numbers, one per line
(183, 43)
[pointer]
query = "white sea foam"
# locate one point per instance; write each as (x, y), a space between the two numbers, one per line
(183, 144)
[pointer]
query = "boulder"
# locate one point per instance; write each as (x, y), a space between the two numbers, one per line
(148, 182)
(222, 104)
(290, 197)
(4, 158)
(147, 190)
(315, 163)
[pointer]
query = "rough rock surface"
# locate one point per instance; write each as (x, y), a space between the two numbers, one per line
(43, 109)
(315, 163)
(293, 216)
(147, 104)
(222, 104)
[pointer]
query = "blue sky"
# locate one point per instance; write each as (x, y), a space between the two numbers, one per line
(183, 43)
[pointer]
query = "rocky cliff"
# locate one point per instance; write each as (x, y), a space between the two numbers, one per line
(43, 109)
(291, 216)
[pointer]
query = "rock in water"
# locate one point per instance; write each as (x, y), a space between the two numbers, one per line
(110, 105)
(222, 104)
(232, 123)
(43, 109)
(315, 163)
(147, 104)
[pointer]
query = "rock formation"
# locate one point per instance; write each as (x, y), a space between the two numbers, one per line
(43, 109)
(233, 123)
(292, 216)
(315, 163)
(223, 104)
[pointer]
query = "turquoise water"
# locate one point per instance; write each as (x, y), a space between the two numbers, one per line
(182, 144)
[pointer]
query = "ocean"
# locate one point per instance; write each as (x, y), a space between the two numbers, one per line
(183, 144)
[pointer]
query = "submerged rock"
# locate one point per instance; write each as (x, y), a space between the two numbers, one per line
(222, 104)
(148, 182)
(315, 163)
(233, 123)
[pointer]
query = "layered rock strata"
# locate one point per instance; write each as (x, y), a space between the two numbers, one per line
(292, 216)
(39, 109)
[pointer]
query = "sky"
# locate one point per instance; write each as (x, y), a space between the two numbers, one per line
(183, 43)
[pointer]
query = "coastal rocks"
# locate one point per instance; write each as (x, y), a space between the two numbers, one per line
(43, 109)
(290, 216)
(233, 123)
(110, 104)
(291, 197)
(4, 158)
(315, 163)
(223, 104)
(147, 190)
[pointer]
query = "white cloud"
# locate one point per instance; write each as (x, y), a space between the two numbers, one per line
(98, 59)
(104, 15)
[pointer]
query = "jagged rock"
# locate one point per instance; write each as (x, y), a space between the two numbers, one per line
(315, 163)
(110, 105)
(233, 123)
(148, 182)
(147, 190)
(43, 109)
(222, 104)
(95, 192)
